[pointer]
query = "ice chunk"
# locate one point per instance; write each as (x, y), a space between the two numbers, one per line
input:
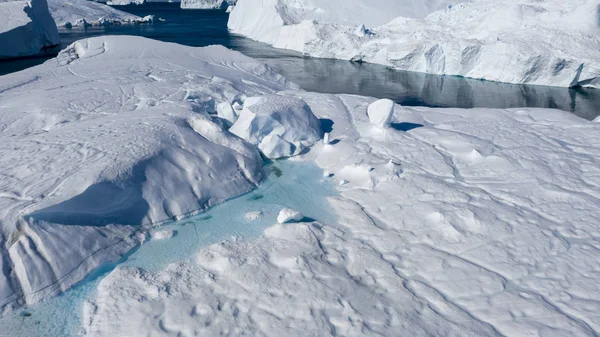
(551, 42)
(288, 215)
(26, 28)
(162, 234)
(281, 126)
(253, 216)
(207, 4)
(226, 112)
(380, 112)
(108, 162)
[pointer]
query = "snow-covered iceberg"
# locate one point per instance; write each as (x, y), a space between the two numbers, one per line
(112, 136)
(452, 222)
(551, 42)
(207, 4)
(125, 2)
(26, 28)
(70, 13)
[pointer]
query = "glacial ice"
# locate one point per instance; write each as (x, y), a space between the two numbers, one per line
(69, 13)
(26, 28)
(549, 42)
(207, 4)
(280, 126)
(381, 112)
(480, 222)
(288, 215)
(114, 141)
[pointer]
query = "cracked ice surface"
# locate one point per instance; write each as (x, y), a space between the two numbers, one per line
(112, 136)
(452, 222)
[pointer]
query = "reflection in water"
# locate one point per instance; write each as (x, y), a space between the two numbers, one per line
(409, 88)
(202, 28)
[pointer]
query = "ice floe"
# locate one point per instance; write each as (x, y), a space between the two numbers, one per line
(112, 136)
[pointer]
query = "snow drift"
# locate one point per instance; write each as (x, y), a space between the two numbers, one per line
(26, 28)
(119, 137)
(551, 42)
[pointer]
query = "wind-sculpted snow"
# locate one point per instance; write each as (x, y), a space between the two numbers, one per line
(452, 222)
(26, 28)
(548, 42)
(83, 12)
(109, 138)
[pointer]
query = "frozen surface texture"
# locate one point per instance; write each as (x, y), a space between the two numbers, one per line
(26, 28)
(83, 12)
(112, 136)
(280, 126)
(207, 4)
(452, 223)
(545, 42)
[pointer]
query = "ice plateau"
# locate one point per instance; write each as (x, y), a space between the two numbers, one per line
(544, 42)
(26, 28)
(451, 222)
(114, 135)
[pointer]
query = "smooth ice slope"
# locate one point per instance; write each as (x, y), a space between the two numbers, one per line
(452, 222)
(207, 4)
(547, 42)
(114, 130)
(84, 12)
(26, 28)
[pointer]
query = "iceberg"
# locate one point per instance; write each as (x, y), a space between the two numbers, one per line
(552, 42)
(117, 139)
(26, 28)
(125, 2)
(475, 222)
(69, 13)
(280, 126)
(207, 4)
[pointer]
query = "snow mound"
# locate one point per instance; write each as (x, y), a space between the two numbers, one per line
(26, 28)
(491, 231)
(162, 234)
(117, 138)
(551, 42)
(69, 13)
(280, 126)
(207, 4)
(288, 215)
(380, 112)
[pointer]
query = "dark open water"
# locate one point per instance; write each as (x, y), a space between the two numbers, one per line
(202, 28)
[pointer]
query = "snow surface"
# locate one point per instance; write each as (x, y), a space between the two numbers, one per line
(544, 42)
(84, 12)
(111, 137)
(207, 4)
(26, 28)
(475, 222)
(280, 126)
